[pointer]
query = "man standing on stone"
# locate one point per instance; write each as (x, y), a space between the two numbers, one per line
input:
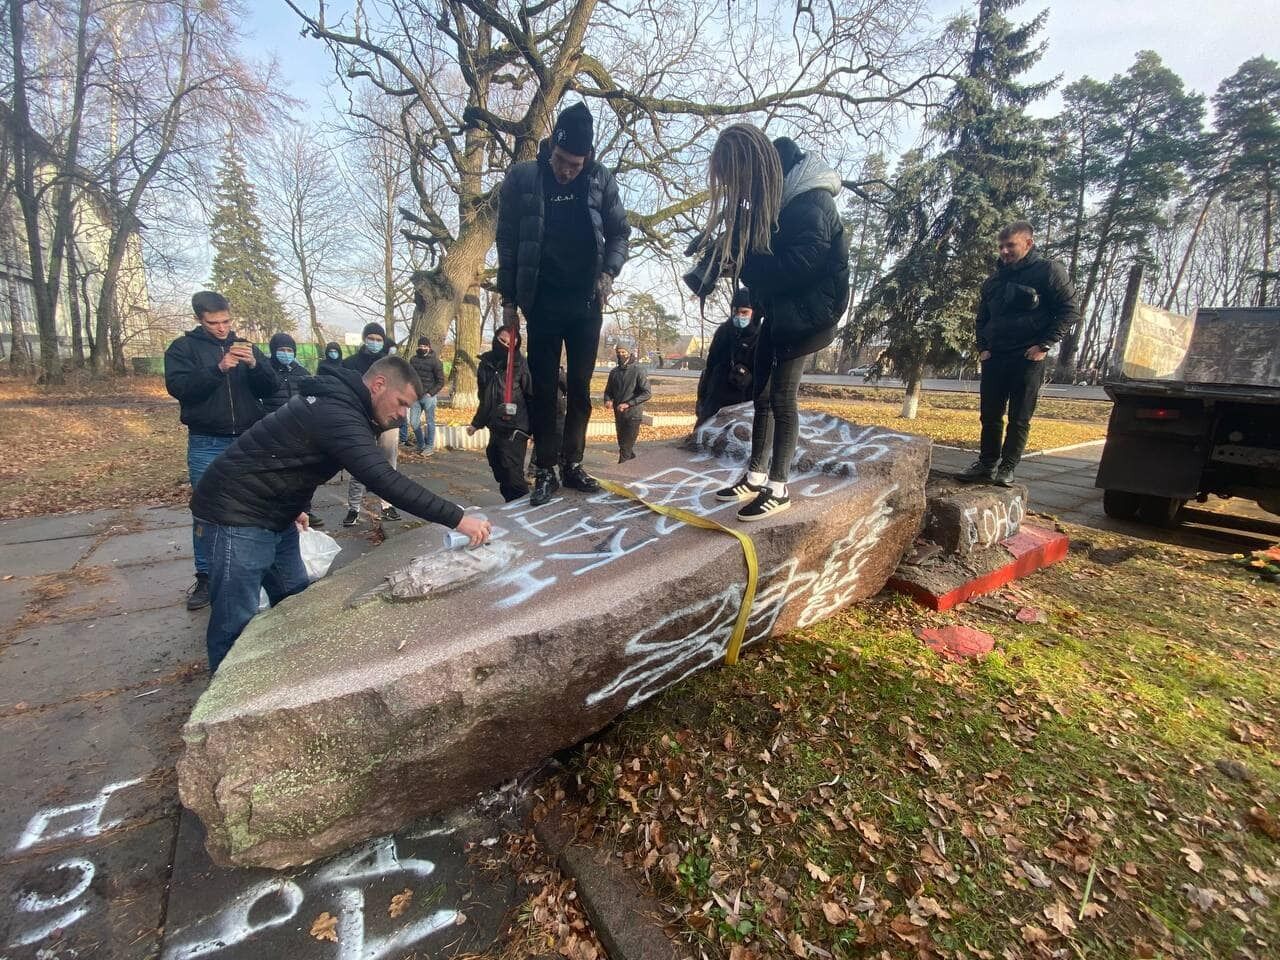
(429, 368)
(252, 500)
(1024, 308)
(562, 239)
(370, 352)
(627, 389)
(219, 381)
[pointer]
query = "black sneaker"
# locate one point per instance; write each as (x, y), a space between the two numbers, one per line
(575, 478)
(742, 490)
(1004, 474)
(198, 593)
(390, 513)
(979, 472)
(315, 522)
(350, 519)
(766, 504)
(545, 486)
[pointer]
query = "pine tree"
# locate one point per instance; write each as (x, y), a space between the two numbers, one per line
(243, 270)
(948, 207)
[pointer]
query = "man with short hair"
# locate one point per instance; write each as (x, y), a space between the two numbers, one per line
(562, 239)
(627, 389)
(1025, 307)
(219, 380)
(251, 502)
(371, 351)
(428, 366)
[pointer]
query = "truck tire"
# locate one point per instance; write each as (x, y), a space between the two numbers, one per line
(1120, 504)
(1160, 511)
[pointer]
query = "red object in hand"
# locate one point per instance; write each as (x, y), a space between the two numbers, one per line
(513, 333)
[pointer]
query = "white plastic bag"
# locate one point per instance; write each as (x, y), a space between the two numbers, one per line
(318, 551)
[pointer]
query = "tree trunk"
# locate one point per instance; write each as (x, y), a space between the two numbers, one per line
(467, 345)
(1172, 298)
(73, 302)
(911, 398)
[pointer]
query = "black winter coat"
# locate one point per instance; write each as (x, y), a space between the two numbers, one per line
(1028, 303)
(288, 380)
(268, 476)
(627, 384)
(491, 384)
(430, 370)
(522, 218)
(362, 360)
(727, 377)
(213, 402)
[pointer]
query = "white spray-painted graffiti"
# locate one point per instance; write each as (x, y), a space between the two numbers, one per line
(993, 523)
(273, 902)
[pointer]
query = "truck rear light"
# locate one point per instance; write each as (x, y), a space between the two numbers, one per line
(1157, 413)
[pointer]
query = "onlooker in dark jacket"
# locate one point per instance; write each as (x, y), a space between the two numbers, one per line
(370, 352)
(332, 359)
(429, 368)
(251, 501)
(1024, 308)
(727, 377)
(289, 376)
(798, 274)
(508, 426)
(627, 389)
(562, 239)
(219, 380)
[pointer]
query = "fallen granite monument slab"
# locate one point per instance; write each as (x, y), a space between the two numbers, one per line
(357, 706)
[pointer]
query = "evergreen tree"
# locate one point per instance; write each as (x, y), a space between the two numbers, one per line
(864, 226)
(947, 208)
(243, 270)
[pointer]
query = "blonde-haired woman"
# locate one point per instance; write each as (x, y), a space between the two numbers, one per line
(773, 225)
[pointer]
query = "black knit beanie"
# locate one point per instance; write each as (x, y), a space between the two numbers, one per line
(573, 130)
(373, 329)
(282, 340)
(424, 341)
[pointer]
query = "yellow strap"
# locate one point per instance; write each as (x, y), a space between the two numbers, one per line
(748, 553)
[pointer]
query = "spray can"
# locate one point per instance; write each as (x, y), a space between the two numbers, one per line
(453, 540)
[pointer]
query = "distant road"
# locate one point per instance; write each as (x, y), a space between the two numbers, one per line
(1058, 391)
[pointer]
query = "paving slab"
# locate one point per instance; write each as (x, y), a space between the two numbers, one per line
(55, 527)
(154, 518)
(103, 591)
(148, 546)
(41, 557)
(13, 600)
(50, 663)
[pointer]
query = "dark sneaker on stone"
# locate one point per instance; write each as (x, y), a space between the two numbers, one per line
(742, 490)
(198, 593)
(575, 478)
(978, 472)
(766, 504)
(350, 519)
(390, 513)
(545, 486)
(1004, 474)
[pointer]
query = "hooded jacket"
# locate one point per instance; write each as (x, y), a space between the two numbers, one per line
(215, 402)
(522, 221)
(1025, 304)
(727, 377)
(269, 475)
(491, 384)
(627, 384)
(430, 370)
(326, 365)
(287, 377)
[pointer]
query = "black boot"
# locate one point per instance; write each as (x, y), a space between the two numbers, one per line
(1004, 474)
(979, 472)
(575, 478)
(545, 486)
(198, 594)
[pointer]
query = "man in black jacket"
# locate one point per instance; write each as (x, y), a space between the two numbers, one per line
(427, 365)
(1024, 308)
(727, 377)
(508, 425)
(251, 502)
(370, 352)
(332, 358)
(219, 381)
(627, 389)
(562, 239)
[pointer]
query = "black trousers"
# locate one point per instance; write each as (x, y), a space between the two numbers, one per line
(1009, 382)
(577, 332)
(628, 426)
(776, 425)
(506, 453)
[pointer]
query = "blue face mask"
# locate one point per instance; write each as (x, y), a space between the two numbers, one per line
(333, 354)
(741, 322)
(373, 346)
(284, 357)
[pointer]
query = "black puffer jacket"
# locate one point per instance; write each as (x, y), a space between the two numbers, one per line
(1028, 303)
(727, 377)
(363, 359)
(287, 377)
(326, 365)
(268, 475)
(627, 384)
(491, 384)
(521, 221)
(430, 370)
(214, 402)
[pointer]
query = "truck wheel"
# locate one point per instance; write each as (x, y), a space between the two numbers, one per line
(1160, 511)
(1120, 504)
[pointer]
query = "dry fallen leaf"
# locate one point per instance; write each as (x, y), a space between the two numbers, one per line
(1059, 918)
(869, 831)
(834, 912)
(1193, 860)
(1033, 934)
(400, 902)
(796, 943)
(1034, 874)
(1261, 819)
(817, 872)
(325, 927)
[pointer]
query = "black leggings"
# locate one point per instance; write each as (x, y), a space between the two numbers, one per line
(776, 383)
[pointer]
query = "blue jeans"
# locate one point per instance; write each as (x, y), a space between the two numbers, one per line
(202, 450)
(424, 407)
(242, 562)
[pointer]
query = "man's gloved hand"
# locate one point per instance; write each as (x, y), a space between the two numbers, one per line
(604, 289)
